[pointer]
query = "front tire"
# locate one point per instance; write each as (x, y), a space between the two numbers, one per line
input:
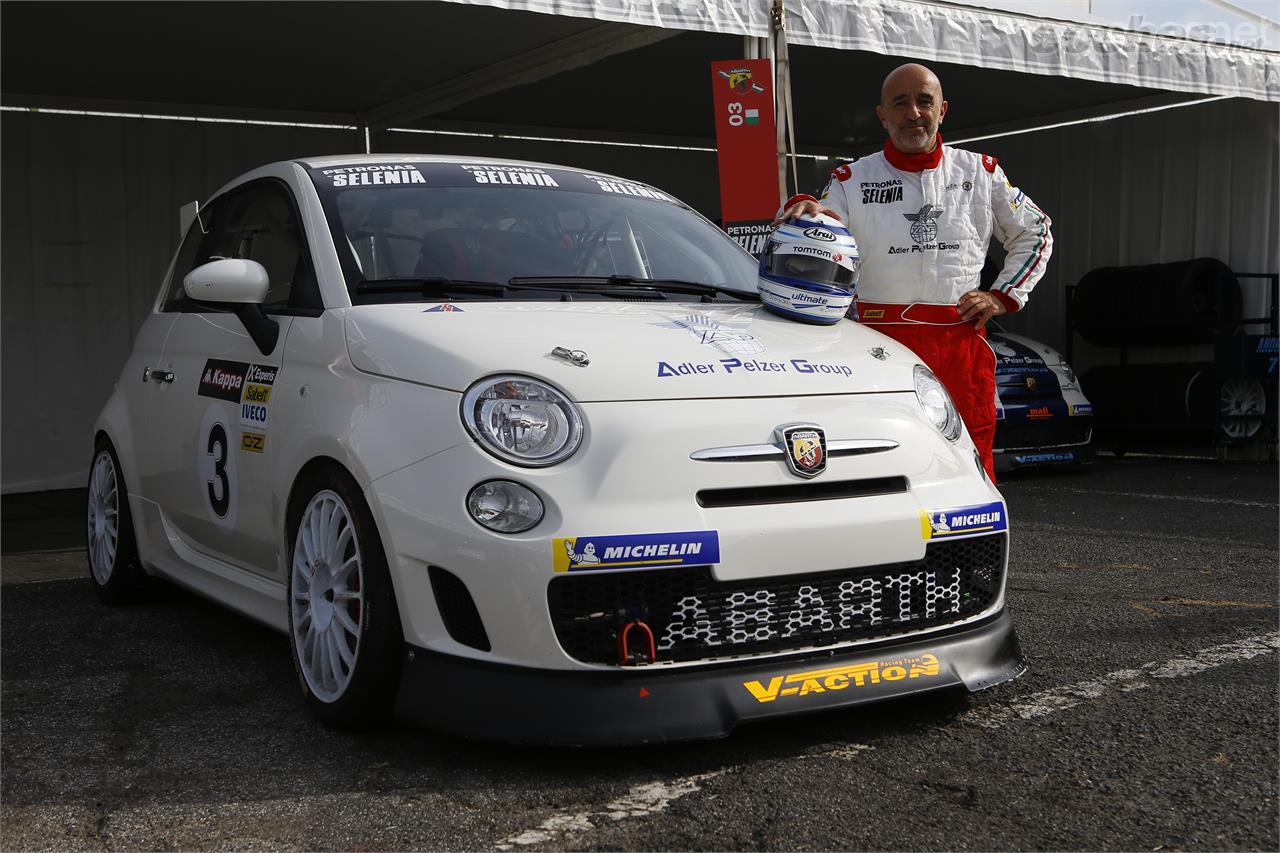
(114, 568)
(343, 624)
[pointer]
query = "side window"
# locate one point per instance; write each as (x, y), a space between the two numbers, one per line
(255, 223)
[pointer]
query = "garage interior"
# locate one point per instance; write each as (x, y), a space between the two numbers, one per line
(143, 107)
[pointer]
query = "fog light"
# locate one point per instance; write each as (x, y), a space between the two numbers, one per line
(504, 507)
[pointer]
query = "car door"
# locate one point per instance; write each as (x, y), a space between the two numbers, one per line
(212, 422)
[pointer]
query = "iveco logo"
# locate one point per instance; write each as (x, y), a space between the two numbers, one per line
(820, 234)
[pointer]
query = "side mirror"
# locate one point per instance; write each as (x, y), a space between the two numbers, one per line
(241, 285)
(228, 280)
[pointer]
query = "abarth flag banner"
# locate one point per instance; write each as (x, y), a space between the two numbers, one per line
(746, 139)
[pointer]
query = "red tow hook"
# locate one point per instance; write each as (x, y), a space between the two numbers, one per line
(648, 651)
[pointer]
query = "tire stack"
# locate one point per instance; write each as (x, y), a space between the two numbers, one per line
(1196, 302)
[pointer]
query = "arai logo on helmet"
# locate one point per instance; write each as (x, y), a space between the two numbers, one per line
(819, 233)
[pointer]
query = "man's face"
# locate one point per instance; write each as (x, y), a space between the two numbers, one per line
(911, 109)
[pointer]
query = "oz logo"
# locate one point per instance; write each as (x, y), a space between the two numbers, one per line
(924, 225)
(216, 475)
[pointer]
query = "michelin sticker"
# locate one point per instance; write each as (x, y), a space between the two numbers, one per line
(964, 521)
(750, 367)
(1082, 408)
(391, 174)
(637, 551)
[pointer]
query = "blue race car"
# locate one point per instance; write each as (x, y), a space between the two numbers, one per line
(1042, 416)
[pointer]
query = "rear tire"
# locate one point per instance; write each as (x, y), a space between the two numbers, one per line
(344, 627)
(114, 568)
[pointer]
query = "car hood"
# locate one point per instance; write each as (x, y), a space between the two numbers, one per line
(634, 351)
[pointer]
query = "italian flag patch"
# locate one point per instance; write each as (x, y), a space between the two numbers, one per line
(753, 116)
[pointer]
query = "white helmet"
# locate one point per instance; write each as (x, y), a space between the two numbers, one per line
(809, 269)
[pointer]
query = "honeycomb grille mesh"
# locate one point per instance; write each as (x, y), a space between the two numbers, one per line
(694, 617)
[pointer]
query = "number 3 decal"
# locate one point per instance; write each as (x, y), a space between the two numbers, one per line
(219, 486)
(216, 464)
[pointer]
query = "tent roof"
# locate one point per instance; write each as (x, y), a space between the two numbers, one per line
(474, 67)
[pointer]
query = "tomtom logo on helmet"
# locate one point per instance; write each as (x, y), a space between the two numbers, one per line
(822, 234)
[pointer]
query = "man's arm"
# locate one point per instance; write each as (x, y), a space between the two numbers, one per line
(831, 201)
(1023, 229)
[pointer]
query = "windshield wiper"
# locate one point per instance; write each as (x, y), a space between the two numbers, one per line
(671, 285)
(431, 285)
(438, 285)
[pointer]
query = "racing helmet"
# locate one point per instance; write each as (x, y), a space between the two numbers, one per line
(808, 270)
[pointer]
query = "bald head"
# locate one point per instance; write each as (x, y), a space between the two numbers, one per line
(911, 108)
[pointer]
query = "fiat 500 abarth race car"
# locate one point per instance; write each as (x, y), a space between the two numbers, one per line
(514, 450)
(1042, 416)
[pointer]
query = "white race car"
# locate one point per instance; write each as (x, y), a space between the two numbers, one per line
(513, 450)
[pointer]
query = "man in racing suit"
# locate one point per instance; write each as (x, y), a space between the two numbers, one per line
(923, 215)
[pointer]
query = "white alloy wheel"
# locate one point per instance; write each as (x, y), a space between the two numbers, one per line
(1242, 397)
(104, 517)
(327, 600)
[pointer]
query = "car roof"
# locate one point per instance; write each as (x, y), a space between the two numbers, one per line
(332, 160)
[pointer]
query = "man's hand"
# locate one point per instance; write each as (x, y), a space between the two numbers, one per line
(978, 307)
(803, 208)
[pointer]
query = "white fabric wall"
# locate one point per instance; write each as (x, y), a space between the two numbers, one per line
(1168, 186)
(89, 222)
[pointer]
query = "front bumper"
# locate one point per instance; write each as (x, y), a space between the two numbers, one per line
(648, 705)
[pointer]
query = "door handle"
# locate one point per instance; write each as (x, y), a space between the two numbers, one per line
(162, 375)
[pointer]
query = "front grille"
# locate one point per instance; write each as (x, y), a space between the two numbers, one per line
(827, 490)
(694, 617)
(1061, 430)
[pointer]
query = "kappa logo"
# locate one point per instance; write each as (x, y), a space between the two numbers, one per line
(222, 380)
(924, 225)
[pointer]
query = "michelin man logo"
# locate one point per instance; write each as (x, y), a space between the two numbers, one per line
(587, 557)
(727, 337)
(939, 522)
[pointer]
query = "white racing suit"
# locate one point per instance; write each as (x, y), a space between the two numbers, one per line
(923, 223)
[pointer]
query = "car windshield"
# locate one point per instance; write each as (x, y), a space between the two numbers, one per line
(431, 231)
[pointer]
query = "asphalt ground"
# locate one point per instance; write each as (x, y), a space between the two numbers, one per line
(1145, 594)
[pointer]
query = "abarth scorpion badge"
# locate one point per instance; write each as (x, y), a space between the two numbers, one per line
(806, 448)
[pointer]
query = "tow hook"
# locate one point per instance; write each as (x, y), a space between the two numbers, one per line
(636, 633)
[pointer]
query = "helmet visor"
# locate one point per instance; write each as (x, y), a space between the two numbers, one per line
(809, 268)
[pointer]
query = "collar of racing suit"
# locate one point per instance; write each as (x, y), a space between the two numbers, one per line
(913, 162)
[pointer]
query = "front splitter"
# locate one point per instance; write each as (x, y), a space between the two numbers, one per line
(654, 704)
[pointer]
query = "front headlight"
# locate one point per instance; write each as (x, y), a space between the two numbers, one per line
(1069, 374)
(522, 421)
(936, 403)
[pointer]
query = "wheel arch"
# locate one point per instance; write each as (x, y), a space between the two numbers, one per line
(296, 502)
